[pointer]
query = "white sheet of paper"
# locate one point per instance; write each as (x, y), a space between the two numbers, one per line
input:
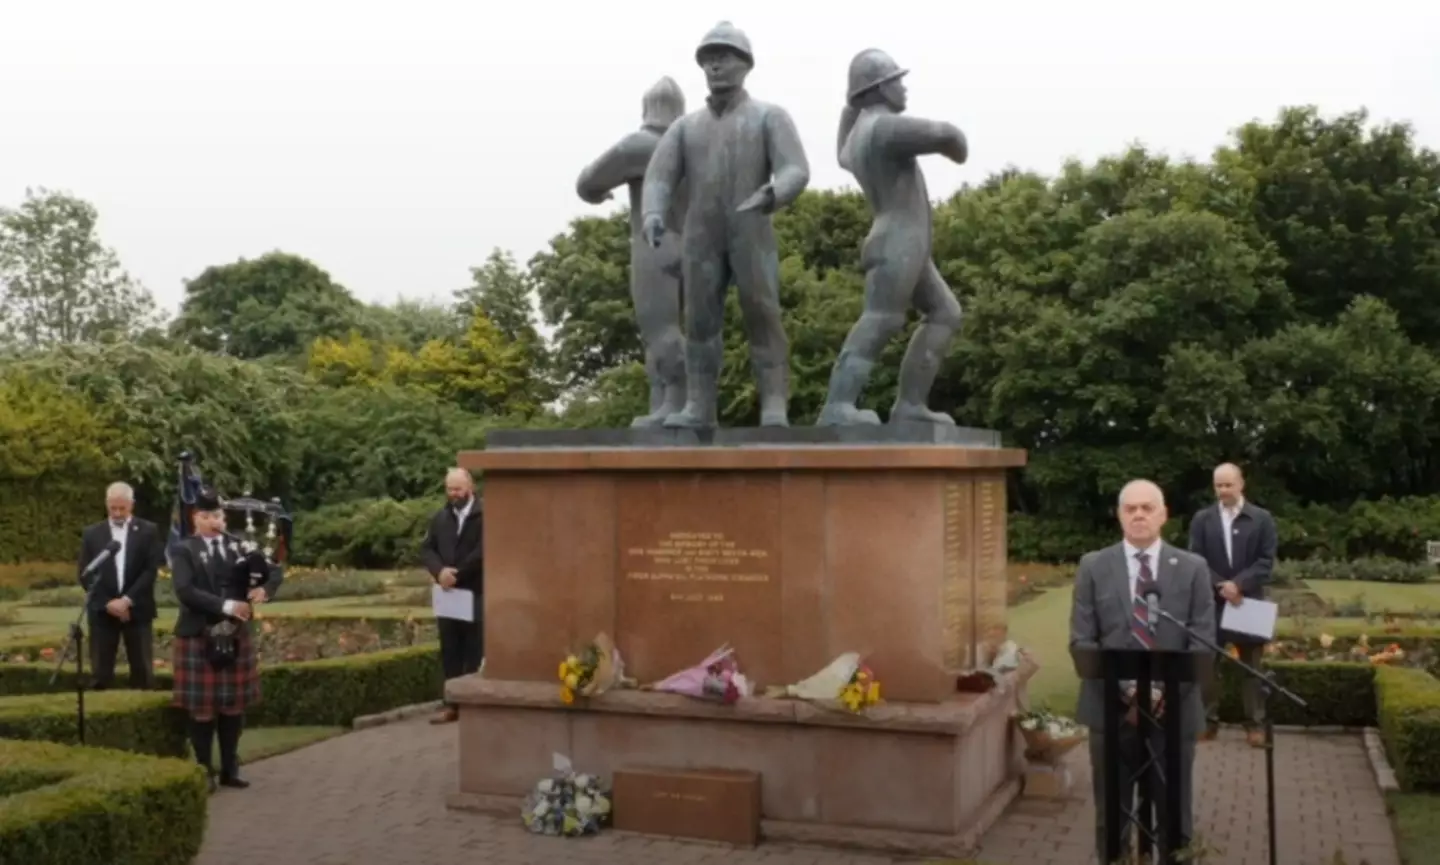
(454, 604)
(1253, 617)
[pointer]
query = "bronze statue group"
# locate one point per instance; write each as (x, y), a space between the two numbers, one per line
(703, 186)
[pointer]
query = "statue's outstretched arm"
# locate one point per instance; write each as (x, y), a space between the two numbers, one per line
(621, 164)
(900, 135)
(664, 172)
(789, 167)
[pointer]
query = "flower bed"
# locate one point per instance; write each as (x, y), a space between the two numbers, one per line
(66, 805)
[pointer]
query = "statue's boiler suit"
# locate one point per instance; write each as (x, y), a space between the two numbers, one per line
(726, 152)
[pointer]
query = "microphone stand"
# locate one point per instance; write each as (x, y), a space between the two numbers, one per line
(1268, 686)
(77, 639)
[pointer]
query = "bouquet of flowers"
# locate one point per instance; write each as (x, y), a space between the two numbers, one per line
(594, 670)
(567, 805)
(1048, 736)
(844, 679)
(718, 677)
(862, 691)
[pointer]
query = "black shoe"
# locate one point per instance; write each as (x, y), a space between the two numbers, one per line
(233, 781)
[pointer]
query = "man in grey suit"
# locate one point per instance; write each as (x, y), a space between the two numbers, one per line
(1237, 540)
(1110, 587)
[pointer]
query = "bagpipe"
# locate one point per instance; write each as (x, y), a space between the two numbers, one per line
(258, 549)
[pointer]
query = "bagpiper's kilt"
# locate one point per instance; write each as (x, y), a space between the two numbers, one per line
(202, 690)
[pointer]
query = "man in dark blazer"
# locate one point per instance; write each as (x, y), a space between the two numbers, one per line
(1110, 589)
(454, 554)
(122, 605)
(1237, 540)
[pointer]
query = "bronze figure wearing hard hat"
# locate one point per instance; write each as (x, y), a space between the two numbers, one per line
(654, 271)
(879, 144)
(742, 159)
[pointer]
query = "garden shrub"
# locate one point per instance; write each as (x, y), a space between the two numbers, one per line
(327, 692)
(140, 721)
(1372, 570)
(70, 805)
(366, 533)
(1408, 706)
(1336, 694)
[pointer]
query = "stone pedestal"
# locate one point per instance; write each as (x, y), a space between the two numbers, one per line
(793, 546)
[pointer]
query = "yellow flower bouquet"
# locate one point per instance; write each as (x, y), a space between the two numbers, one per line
(845, 680)
(592, 671)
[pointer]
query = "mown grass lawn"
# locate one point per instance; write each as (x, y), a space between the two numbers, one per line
(257, 743)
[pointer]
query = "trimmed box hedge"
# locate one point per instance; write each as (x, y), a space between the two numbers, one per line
(1338, 694)
(329, 692)
(140, 721)
(1409, 721)
(70, 805)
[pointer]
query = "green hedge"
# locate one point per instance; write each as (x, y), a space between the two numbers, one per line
(328, 692)
(69, 805)
(1409, 720)
(140, 721)
(1336, 694)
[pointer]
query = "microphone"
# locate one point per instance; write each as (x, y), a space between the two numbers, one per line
(105, 555)
(1152, 605)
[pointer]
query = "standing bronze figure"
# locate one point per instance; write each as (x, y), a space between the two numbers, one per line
(742, 160)
(879, 145)
(654, 271)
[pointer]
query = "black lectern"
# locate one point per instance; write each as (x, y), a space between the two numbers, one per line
(1145, 667)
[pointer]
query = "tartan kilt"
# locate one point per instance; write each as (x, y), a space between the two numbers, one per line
(202, 690)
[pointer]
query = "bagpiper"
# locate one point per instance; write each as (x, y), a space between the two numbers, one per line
(219, 579)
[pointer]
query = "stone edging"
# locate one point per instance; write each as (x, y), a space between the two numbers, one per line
(1375, 749)
(365, 722)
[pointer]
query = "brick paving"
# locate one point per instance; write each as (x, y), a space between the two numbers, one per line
(378, 797)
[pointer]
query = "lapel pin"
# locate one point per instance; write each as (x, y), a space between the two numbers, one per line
(1174, 561)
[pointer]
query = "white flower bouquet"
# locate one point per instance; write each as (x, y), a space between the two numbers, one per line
(567, 805)
(1048, 736)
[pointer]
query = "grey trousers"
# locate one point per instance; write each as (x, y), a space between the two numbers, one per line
(1129, 736)
(1250, 695)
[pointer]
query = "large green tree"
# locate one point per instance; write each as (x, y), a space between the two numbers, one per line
(277, 304)
(59, 284)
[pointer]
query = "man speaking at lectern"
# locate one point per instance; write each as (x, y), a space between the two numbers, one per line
(1109, 611)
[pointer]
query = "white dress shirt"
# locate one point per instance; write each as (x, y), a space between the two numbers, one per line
(1132, 564)
(119, 532)
(215, 546)
(464, 512)
(1227, 522)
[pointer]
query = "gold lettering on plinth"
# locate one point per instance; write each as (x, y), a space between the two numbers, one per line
(990, 600)
(957, 583)
(699, 565)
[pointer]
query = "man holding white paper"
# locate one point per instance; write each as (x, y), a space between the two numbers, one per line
(454, 554)
(1237, 540)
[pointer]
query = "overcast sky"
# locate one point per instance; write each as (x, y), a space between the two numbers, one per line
(395, 143)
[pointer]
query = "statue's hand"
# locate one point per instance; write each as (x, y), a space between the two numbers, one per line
(956, 149)
(763, 200)
(653, 229)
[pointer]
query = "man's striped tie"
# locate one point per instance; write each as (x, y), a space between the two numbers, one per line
(1140, 615)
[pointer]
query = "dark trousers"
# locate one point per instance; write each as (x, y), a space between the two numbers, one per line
(106, 635)
(1250, 695)
(462, 645)
(1129, 736)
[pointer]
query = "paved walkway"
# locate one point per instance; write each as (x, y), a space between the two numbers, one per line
(378, 796)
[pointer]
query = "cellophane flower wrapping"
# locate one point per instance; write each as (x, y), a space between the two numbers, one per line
(1048, 736)
(718, 677)
(824, 685)
(609, 669)
(568, 804)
